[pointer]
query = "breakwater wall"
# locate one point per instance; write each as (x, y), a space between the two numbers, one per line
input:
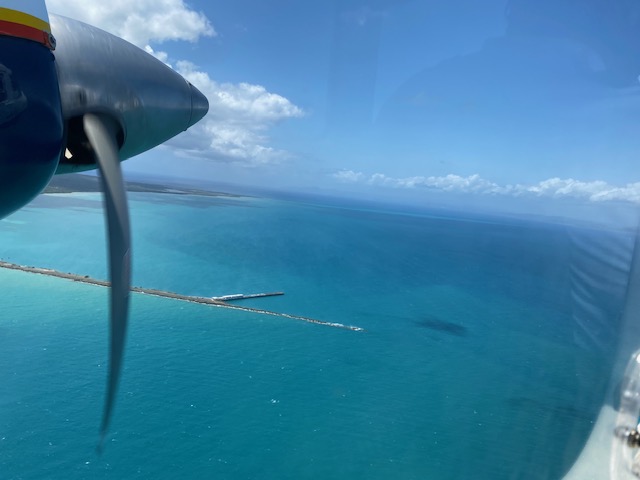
(220, 301)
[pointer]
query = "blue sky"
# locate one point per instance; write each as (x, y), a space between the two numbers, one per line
(493, 98)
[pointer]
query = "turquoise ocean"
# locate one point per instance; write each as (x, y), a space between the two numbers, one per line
(485, 353)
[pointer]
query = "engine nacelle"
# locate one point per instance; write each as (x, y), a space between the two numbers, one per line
(101, 73)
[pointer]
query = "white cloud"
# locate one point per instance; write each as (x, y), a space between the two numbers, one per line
(141, 22)
(240, 114)
(596, 191)
(348, 176)
(244, 103)
(235, 129)
(448, 183)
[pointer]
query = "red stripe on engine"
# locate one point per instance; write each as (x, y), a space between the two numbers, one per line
(24, 31)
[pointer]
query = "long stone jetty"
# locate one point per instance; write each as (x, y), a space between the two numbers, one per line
(220, 301)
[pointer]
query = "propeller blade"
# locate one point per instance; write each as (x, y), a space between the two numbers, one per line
(101, 132)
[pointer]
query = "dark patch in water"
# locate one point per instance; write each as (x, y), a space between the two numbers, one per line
(433, 323)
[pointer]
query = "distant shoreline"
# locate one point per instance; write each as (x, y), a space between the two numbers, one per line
(75, 183)
(213, 301)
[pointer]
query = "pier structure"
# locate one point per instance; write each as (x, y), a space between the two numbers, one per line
(221, 301)
(243, 296)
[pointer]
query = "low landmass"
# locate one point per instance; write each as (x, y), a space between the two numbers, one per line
(76, 182)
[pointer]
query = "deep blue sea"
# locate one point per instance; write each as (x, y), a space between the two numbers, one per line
(485, 355)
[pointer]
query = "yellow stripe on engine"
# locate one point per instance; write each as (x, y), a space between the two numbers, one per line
(22, 18)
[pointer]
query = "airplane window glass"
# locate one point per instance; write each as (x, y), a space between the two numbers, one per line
(397, 239)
